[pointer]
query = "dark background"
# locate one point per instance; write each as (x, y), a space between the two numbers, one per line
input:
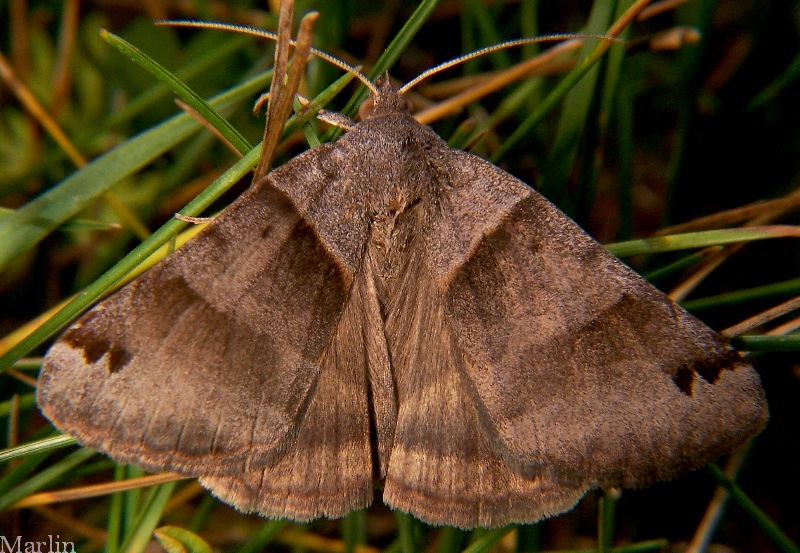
(703, 143)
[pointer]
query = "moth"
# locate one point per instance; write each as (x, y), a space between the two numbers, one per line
(385, 309)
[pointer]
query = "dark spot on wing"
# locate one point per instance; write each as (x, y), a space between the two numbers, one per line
(94, 347)
(118, 357)
(683, 379)
(709, 368)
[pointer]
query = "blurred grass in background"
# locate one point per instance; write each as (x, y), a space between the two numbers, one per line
(650, 137)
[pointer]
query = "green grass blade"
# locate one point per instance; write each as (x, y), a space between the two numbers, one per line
(21, 471)
(149, 518)
(39, 446)
(130, 261)
(24, 228)
(451, 540)
(405, 532)
(513, 103)
(700, 239)
(259, 540)
(576, 108)
(605, 526)
(626, 140)
(560, 91)
(639, 547)
(675, 266)
(749, 506)
(193, 68)
(354, 530)
(45, 477)
(153, 243)
(131, 503)
(486, 25)
(642, 547)
(790, 342)
(390, 54)
(791, 74)
(691, 75)
(180, 89)
(785, 288)
(617, 102)
(73, 225)
(179, 540)
(202, 513)
(529, 26)
(114, 522)
(488, 540)
(24, 402)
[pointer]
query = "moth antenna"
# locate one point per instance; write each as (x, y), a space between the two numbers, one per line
(247, 30)
(497, 47)
(330, 117)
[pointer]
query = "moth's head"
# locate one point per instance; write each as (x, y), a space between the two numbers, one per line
(385, 98)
